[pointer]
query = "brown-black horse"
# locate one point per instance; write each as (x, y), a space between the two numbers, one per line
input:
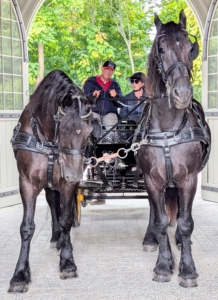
(175, 146)
(49, 142)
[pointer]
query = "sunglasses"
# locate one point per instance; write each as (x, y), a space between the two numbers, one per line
(135, 80)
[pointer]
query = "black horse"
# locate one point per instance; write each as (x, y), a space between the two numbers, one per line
(49, 142)
(175, 147)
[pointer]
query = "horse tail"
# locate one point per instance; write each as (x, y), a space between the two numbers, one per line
(172, 205)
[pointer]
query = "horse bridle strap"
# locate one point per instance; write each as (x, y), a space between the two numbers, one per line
(177, 65)
(165, 74)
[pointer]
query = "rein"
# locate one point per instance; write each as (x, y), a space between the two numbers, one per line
(33, 143)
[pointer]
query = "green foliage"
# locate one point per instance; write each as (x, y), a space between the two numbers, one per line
(79, 35)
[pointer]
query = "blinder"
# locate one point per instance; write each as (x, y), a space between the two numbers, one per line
(195, 48)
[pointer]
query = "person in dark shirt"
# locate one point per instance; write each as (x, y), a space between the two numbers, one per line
(138, 82)
(103, 86)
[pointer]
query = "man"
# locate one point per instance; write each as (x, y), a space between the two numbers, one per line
(103, 86)
(138, 82)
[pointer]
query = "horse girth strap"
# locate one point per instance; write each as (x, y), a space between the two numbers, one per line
(163, 139)
(29, 142)
(168, 139)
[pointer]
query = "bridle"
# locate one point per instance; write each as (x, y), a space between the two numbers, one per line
(179, 64)
(165, 74)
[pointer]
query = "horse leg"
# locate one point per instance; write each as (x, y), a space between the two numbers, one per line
(53, 199)
(150, 241)
(22, 276)
(67, 265)
(187, 271)
(165, 262)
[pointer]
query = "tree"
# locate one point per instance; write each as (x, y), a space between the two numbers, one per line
(79, 35)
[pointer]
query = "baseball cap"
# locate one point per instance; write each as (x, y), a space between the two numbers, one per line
(109, 64)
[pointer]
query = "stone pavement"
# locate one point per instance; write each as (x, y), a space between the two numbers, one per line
(108, 253)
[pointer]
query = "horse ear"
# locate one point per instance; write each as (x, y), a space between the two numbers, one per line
(157, 22)
(91, 101)
(182, 19)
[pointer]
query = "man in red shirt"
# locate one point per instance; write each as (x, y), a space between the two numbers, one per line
(103, 86)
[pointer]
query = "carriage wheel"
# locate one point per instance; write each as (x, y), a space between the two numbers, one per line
(80, 201)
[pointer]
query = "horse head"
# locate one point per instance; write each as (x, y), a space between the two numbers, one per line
(64, 117)
(173, 54)
(76, 124)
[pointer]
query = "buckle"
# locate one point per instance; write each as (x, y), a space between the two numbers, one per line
(178, 137)
(39, 146)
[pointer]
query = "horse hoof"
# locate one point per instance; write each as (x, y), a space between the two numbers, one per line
(150, 248)
(66, 275)
(161, 278)
(187, 283)
(76, 224)
(179, 247)
(22, 288)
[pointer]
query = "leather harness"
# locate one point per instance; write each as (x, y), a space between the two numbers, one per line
(180, 136)
(28, 142)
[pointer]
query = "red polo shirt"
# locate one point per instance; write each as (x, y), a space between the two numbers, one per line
(106, 85)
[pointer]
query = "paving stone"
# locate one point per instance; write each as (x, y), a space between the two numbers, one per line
(108, 253)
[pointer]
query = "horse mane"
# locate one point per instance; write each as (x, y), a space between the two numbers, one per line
(172, 32)
(72, 119)
(50, 93)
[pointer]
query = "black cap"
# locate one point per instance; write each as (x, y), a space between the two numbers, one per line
(138, 75)
(109, 64)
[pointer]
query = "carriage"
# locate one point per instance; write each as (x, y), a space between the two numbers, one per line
(111, 170)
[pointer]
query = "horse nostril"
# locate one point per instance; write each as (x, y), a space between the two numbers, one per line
(175, 92)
